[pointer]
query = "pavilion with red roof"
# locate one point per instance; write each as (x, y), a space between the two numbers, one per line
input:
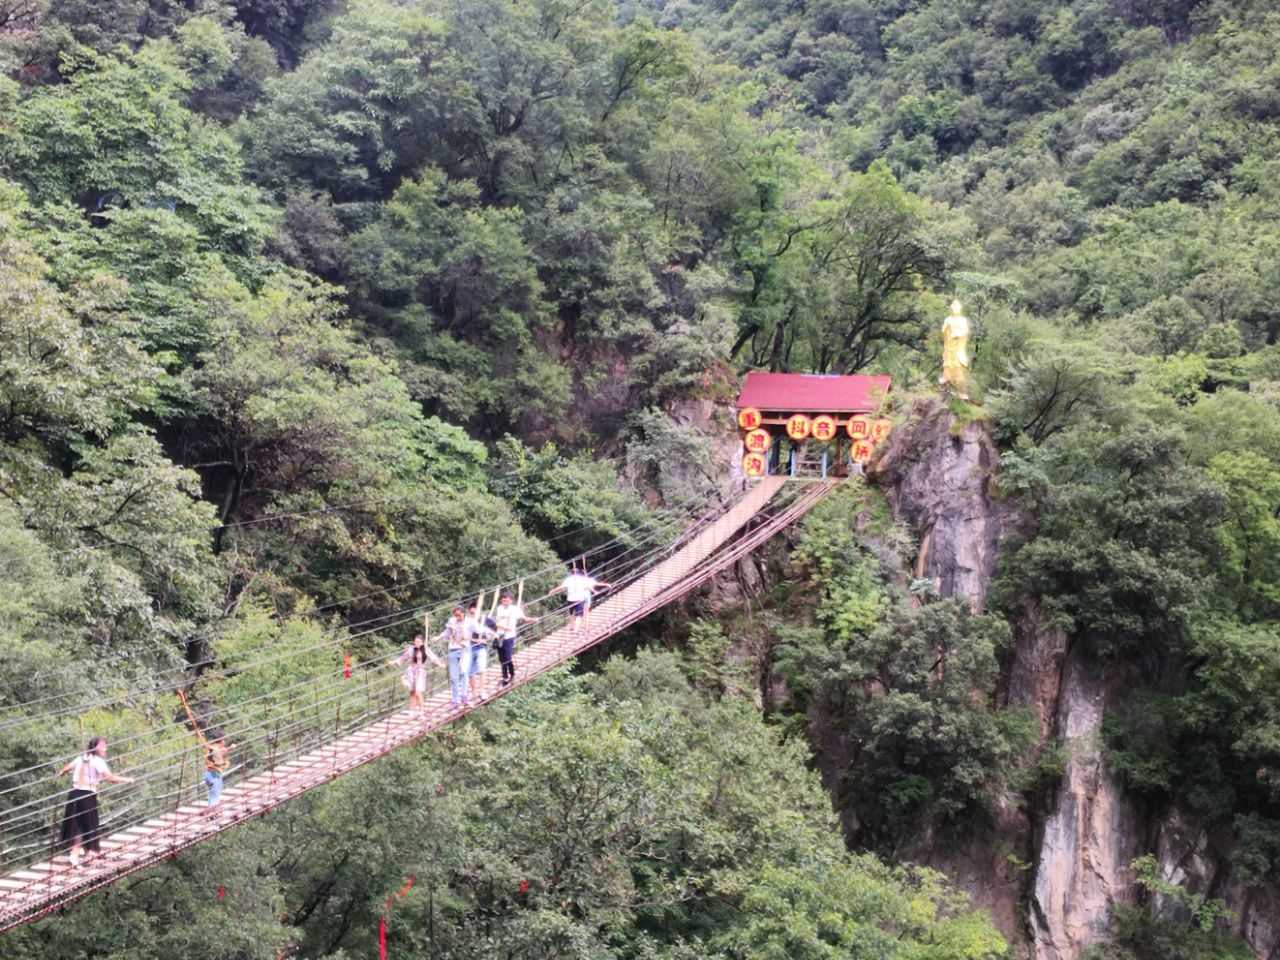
(825, 423)
(812, 393)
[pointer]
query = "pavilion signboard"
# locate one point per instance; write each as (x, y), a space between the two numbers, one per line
(811, 424)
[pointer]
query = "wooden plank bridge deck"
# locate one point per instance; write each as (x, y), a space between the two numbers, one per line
(40, 888)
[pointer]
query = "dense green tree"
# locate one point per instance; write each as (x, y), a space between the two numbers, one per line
(453, 280)
(837, 276)
(354, 116)
(71, 366)
(574, 503)
(1250, 533)
(117, 135)
(1120, 551)
(909, 687)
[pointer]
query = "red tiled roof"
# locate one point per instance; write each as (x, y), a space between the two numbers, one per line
(811, 392)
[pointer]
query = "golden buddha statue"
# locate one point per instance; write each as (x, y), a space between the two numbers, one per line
(955, 350)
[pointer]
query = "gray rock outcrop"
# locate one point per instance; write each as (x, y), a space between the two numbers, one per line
(1077, 848)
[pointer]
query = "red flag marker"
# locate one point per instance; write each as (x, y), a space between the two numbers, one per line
(222, 893)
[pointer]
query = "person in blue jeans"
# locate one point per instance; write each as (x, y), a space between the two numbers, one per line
(476, 627)
(459, 656)
(216, 765)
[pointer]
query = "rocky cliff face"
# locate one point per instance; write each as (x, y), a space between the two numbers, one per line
(938, 478)
(1091, 832)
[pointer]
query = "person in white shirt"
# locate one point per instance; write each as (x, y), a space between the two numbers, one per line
(577, 589)
(507, 619)
(80, 819)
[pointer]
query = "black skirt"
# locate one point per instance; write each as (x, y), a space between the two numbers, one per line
(80, 820)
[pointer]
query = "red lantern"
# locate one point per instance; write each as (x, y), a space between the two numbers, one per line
(859, 428)
(750, 418)
(799, 427)
(755, 465)
(880, 429)
(758, 441)
(862, 451)
(824, 428)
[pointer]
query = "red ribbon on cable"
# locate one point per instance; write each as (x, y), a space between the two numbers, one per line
(382, 920)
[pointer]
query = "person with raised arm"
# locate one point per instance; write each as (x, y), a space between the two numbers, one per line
(80, 824)
(459, 656)
(507, 619)
(476, 627)
(217, 763)
(577, 588)
(415, 658)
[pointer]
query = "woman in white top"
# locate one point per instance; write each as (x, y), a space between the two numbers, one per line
(80, 819)
(415, 659)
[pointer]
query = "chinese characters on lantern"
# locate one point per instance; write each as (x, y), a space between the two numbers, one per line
(859, 428)
(824, 428)
(799, 427)
(757, 441)
(865, 433)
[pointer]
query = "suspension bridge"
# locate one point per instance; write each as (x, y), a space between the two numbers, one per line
(313, 731)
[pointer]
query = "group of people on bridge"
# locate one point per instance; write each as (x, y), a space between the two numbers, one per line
(466, 637)
(468, 634)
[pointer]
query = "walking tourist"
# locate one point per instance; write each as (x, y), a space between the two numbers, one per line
(80, 819)
(476, 628)
(577, 588)
(507, 619)
(459, 659)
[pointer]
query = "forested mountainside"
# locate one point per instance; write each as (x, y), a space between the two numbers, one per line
(315, 313)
